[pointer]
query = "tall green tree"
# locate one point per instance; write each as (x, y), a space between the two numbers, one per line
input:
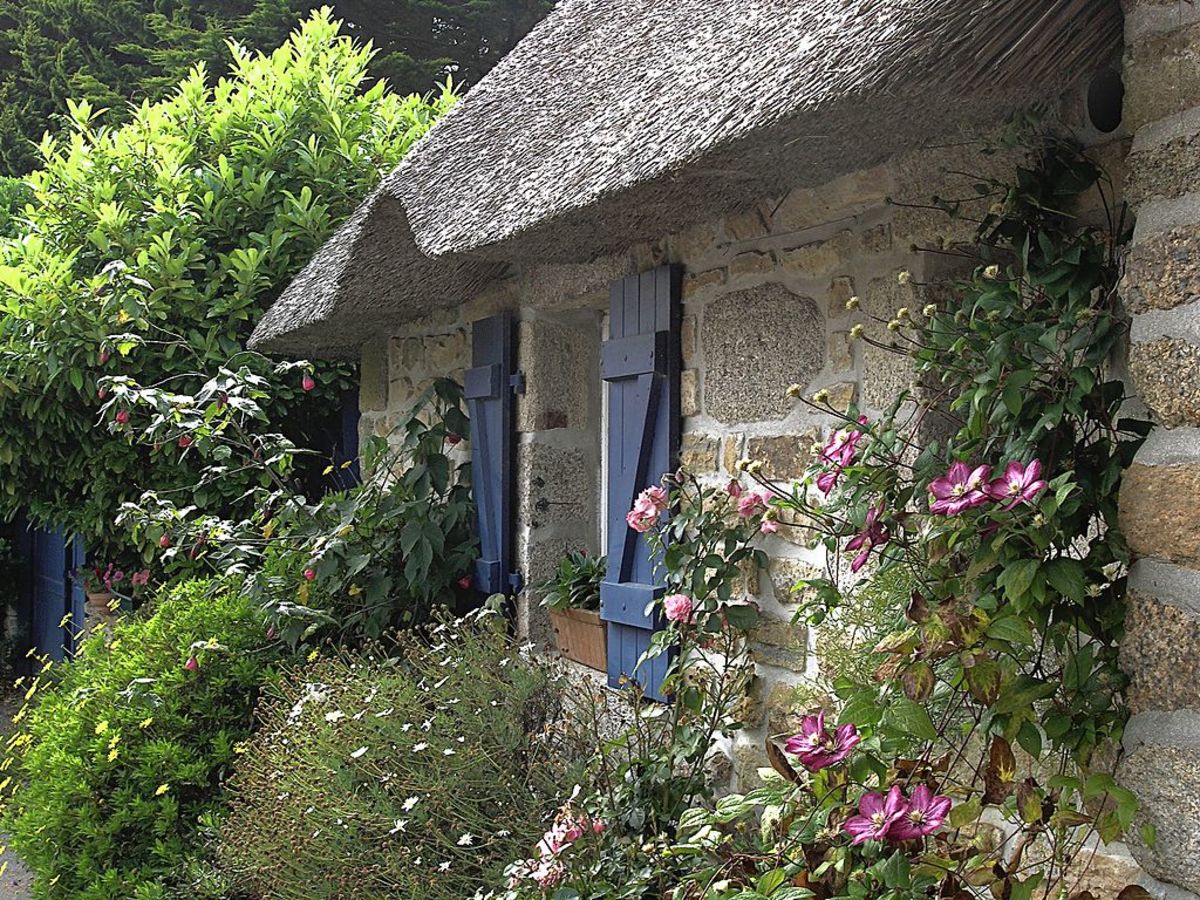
(112, 53)
(149, 250)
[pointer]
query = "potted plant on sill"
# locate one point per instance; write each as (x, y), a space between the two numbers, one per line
(573, 598)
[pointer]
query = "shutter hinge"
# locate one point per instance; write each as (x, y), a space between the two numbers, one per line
(516, 381)
(515, 582)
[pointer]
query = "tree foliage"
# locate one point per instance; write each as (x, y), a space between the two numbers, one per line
(115, 52)
(149, 250)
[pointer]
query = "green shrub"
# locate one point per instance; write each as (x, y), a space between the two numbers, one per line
(150, 251)
(126, 747)
(417, 777)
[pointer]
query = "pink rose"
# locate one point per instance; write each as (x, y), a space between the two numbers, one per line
(678, 608)
(307, 383)
(647, 508)
(753, 502)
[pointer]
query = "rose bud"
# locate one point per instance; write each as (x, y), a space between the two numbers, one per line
(185, 442)
(192, 664)
(164, 541)
(309, 574)
(122, 416)
(307, 383)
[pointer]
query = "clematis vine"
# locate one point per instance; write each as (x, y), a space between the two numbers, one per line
(649, 505)
(896, 818)
(960, 489)
(925, 815)
(817, 748)
(838, 453)
(876, 816)
(1020, 484)
(874, 534)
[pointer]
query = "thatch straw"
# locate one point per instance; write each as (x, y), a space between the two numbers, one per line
(617, 121)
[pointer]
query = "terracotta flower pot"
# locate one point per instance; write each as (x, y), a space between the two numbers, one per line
(581, 636)
(98, 603)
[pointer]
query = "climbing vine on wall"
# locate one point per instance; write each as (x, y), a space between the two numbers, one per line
(979, 750)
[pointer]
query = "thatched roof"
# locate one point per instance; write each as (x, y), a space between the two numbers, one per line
(368, 275)
(616, 121)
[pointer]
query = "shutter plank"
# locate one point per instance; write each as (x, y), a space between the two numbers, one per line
(487, 387)
(641, 366)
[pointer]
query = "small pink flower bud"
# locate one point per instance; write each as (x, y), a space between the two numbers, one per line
(102, 393)
(192, 664)
(309, 574)
(105, 356)
(465, 582)
(453, 439)
(185, 441)
(307, 382)
(164, 541)
(271, 633)
(122, 417)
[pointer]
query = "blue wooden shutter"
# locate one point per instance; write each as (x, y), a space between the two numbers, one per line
(640, 363)
(78, 596)
(489, 387)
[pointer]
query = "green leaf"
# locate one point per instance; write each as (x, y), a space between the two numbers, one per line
(1011, 628)
(1066, 576)
(1016, 579)
(910, 718)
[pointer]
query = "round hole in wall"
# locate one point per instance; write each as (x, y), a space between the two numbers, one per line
(1105, 95)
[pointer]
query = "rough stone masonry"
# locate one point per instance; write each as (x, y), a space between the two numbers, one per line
(1160, 498)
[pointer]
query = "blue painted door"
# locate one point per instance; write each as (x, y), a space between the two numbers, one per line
(489, 387)
(640, 363)
(58, 596)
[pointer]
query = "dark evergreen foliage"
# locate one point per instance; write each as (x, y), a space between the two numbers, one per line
(116, 52)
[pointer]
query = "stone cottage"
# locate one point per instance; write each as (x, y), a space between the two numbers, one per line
(645, 223)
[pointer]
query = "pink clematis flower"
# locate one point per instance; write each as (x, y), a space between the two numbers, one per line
(816, 748)
(877, 815)
(924, 816)
(678, 608)
(1020, 484)
(959, 489)
(838, 453)
(874, 534)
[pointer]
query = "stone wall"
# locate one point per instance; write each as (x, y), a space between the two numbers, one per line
(1160, 499)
